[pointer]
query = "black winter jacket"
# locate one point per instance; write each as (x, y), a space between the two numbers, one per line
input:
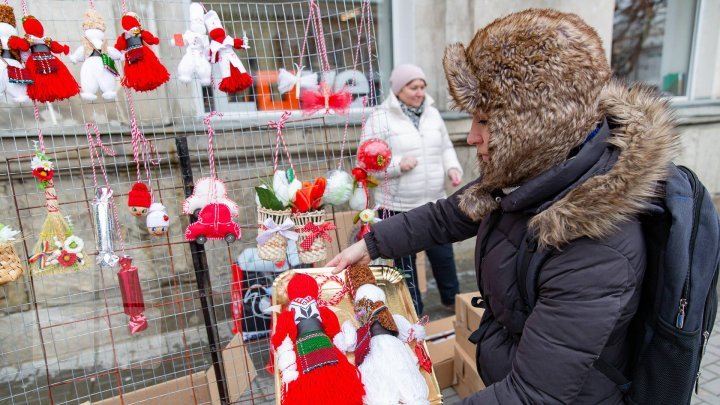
(588, 291)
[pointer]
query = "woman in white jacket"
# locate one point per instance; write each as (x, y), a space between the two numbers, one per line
(423, 157)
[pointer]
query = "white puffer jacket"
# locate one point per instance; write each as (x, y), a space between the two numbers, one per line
(430, 145)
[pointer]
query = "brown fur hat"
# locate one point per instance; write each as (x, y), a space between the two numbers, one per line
(7, 15)
(358, 275)
(538, 75)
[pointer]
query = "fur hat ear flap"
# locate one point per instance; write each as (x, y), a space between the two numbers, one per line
(476, 202)
(462, 82)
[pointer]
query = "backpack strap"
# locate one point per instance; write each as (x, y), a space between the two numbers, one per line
(530, 261)
(613, 374)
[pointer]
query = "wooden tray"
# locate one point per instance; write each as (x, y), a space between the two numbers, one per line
(398, 300)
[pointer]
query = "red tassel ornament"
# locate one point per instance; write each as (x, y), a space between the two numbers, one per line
(132, 296)
(143, 70)
(51, 78)
(326, 100)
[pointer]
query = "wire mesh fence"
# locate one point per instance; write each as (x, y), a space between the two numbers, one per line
(65, 338)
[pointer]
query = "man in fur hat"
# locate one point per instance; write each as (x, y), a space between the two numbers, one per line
(568, 157)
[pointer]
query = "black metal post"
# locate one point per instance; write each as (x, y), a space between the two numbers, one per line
(202, 277)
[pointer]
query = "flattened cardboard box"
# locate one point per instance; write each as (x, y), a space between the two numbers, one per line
(199, 387)
(440, 343)
(467, 379)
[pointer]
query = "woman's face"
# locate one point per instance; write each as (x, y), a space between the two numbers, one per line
(479, 135)
(413, 93)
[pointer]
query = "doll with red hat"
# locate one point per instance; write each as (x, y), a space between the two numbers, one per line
(313, 370)
(143, 70)
(139, 199)
(51, 78)
(235, 77)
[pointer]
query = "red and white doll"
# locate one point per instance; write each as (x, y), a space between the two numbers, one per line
(51, 78)
(143, 70)
(235, 77)
(390, 370)
(313, 370)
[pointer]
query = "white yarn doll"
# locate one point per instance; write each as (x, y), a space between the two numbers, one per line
(98, 72)
(13, 75)
(196, 60)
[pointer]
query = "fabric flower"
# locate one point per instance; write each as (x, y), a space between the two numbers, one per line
(66, 258)
(7, 234)
(43, 174)
(73, 244)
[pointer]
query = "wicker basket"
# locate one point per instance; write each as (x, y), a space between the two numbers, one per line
(275, 249)
(10, 265)
(318, 249)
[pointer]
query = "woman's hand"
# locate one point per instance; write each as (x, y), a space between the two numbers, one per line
(353, 254)
(455, 177)
(407, 163)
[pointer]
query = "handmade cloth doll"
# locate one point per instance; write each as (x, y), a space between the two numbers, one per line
(139, 199)
(143, 71)
(235, 77)
(157, 220)
(389, 368)
(98, 70)
(196, 59)
(313, 370)
(51, 78)
(14, 77)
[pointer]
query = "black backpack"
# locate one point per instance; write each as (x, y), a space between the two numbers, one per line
(679, 294)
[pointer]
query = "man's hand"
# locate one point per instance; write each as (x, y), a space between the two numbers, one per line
(407, 163)
(455, 177)
(353, 254)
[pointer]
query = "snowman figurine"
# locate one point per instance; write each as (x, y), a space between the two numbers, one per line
(98, 70)
(197, 58)
(158, 220)
(14, 78)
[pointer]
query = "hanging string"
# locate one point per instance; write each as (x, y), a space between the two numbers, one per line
(95, 145)
(142, 148)
(210, 133)
(23, 4)
(315, 18)
(336, 298)
(124, 7)
(364, 25)
(41, 141)
(279, 138)
(92, 4)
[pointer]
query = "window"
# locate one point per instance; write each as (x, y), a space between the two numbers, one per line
(276, 32)
(671, 44)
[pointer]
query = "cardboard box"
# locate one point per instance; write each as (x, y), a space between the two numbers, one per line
(200, 387)
(467, 320)
(467, 379)
(440, 342)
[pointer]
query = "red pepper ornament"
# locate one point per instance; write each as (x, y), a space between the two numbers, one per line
(132, 296)
(51, 78)
(143, 71)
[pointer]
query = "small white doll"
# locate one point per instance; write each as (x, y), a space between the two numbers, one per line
(158, 219)
(98, 70)
(197, 57)
(13, 76)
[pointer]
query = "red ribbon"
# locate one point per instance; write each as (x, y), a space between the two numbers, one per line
(316, 231)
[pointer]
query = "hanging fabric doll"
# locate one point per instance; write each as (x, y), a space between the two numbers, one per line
(139, 199)
(98, 70)
(235, 77)
(51, 78)
(389, 369)
(157, 220)
(14, 77)
(143, 70)
(196, 59)
(313, 370)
